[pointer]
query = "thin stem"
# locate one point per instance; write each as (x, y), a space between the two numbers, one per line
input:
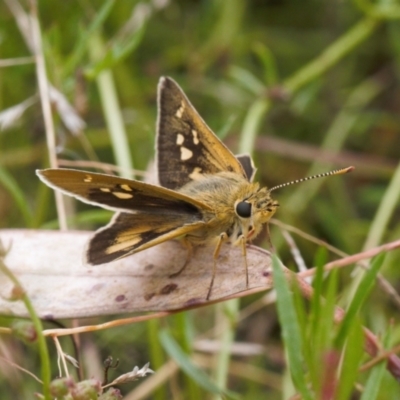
(46, 109)
(111, 109)
(61, 356)
(41, 341)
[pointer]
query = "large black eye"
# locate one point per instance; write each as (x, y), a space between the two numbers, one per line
(243, 209)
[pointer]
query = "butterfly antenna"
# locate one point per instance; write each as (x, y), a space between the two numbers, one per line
(308, 178)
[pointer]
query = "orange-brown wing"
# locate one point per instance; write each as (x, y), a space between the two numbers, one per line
(119, 194)
(186, 147)
(150, 214)
(130, 233)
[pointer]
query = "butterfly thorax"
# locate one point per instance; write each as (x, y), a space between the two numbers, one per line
(239, 208)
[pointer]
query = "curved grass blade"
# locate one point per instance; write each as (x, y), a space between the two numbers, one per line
(362, 293)
(291, 332)
(197, 374)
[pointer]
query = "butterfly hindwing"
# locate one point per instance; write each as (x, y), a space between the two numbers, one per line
(248, 165)
(130, 233)
(186, 146)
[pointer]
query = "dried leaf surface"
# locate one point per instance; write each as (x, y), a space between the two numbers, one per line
(51, 268)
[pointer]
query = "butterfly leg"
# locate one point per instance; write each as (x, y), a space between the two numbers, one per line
(271, 246)
(189, 255)
(222, 238)
(244, 253)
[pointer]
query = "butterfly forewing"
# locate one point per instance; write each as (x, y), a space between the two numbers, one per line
(186, 146)
(119, 194)
(130, 233)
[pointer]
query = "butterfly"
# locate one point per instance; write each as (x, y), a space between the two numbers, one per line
(206, 195)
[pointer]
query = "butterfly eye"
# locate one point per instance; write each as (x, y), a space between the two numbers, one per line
(243, 209)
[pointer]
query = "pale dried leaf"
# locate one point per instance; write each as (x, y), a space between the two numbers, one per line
(50, 267)
(134, 375)
(11, 116)
(68, 114)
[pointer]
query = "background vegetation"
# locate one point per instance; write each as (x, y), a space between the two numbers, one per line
(305, 86)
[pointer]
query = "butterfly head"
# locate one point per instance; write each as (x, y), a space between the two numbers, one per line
(252, 212)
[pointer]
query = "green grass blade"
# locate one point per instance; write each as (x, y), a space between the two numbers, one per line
(37, 323)
(83, 43)
(362, 293)
(246, 79)
(112, 109)
(266, 56)
(197, 374)
(352, 358)
(290, 329)
(157, 355)
(374, 382)
(183, 334)
(320, 337)
(255, 116)
(324, 333)
(372, 388)
(320, 260)
(12, 187)
(117, 52)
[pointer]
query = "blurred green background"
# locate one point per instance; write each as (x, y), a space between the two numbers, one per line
(304, 86)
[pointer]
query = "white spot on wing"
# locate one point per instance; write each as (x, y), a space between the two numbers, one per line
(126, 187)
(122, 195)
(180, 139)
(87, 179)
(186, 154)
(196, 174)
(180, 110)
(105, 190)
(195, 137)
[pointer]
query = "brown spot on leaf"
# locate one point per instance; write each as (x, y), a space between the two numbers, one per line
(97, 287)
(120, 298)
(194, 301)
(149, 296)
(149, 267)
(167, 289)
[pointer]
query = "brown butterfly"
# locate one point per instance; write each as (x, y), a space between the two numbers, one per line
(206, 195)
